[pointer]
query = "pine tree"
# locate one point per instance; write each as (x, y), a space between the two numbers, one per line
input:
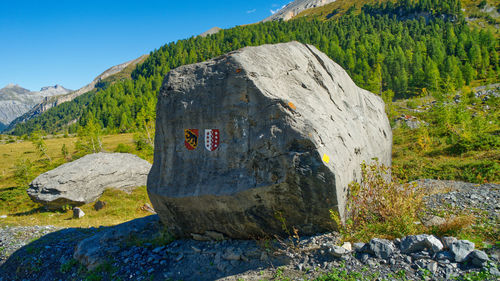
(40, 145)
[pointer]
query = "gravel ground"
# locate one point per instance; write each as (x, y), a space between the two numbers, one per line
(126, 252)
(14, 237)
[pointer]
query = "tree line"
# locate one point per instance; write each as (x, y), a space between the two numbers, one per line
(382, 48)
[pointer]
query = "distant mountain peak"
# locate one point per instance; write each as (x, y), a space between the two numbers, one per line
(11, 85)
(16, 100)
(55, 87)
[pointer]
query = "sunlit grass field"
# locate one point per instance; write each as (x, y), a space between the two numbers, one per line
(20, 210)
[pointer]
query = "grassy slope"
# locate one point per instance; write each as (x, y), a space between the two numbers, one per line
(15, 203)
(336, 9)
(126, 73)
(476, 17)
(409, 159)
(421, 153)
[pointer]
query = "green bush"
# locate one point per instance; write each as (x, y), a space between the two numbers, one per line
(23, 172)
(122, 148)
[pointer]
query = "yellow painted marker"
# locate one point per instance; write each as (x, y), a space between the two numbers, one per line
(326, 158)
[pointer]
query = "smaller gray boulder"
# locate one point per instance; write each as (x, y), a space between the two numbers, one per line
(415, 243)
(382, 248)
(84, 180)
(461, 249)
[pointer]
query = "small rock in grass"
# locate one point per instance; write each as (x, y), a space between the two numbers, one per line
(99, 205)
(461, 249)
(433, 221)
(78, 213)
(147, 208)
(3, 216)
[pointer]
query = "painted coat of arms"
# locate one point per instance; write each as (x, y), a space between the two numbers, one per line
(191, 138)
(212, 139)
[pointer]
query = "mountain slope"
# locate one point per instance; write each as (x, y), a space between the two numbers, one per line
(211, 31)
(15, 100)
(115, 73)
(481, 14)
(386, 54)
(296, 7)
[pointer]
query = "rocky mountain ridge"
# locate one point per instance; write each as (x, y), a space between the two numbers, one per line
(211, 31)
(16, 100)
(54, 100)
(296, 7)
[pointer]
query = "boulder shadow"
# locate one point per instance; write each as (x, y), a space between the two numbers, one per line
(132, 250)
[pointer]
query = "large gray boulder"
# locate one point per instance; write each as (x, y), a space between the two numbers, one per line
(293, 131)
(84, 180)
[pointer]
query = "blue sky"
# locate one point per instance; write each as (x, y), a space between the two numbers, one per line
(69, 42)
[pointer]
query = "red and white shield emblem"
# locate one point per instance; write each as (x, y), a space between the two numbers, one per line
(212, 139)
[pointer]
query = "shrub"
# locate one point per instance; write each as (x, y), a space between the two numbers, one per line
(454, 226)
(380, 207)
(411, 104)
(89, 137)
(65, 152)
(23, 172)
(40, 145)
(122, 148)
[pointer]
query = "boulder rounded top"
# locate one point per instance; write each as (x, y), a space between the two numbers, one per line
(260, 136)
(84, 180)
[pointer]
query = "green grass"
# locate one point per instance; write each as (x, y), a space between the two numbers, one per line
(461, 142)
(15, 203)
(336, 9)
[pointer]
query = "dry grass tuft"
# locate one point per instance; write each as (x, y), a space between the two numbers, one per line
(379, 207)
(453, 226)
